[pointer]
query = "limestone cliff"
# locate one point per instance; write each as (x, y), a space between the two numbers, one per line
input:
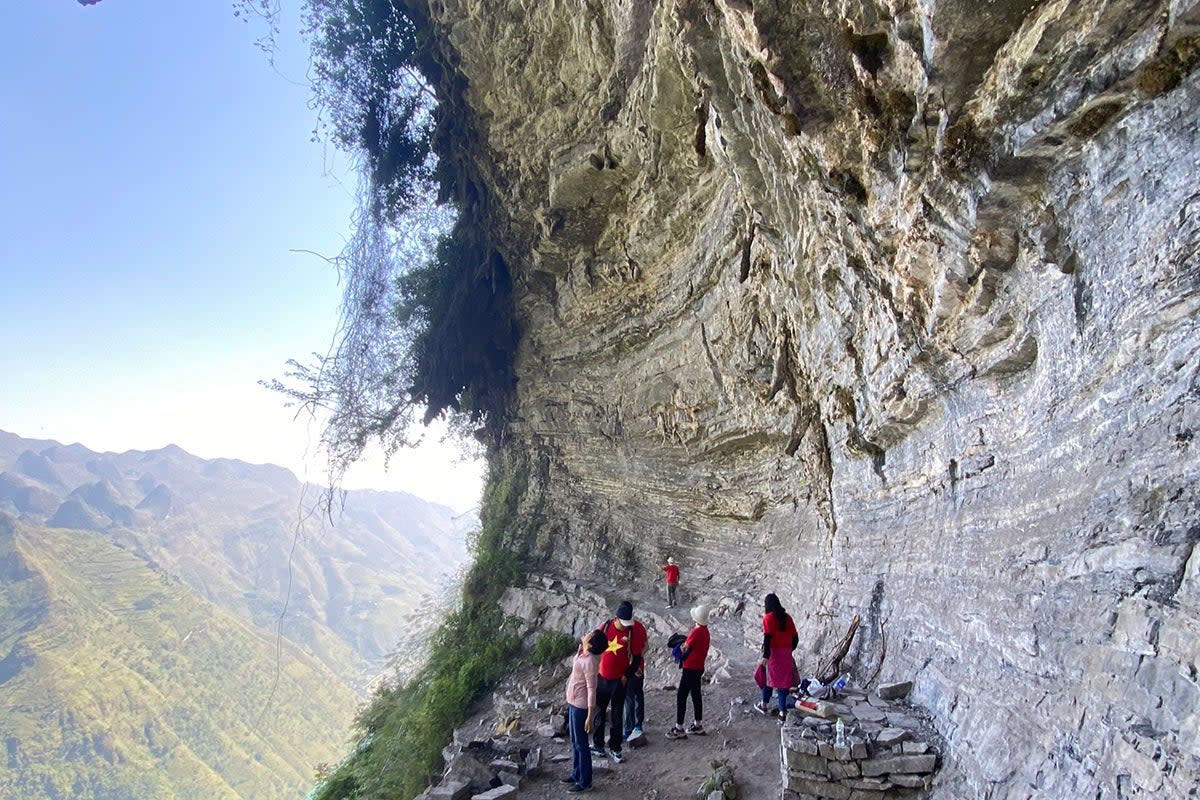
(887, 307)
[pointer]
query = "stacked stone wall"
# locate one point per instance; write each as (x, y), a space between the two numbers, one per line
(889, 749)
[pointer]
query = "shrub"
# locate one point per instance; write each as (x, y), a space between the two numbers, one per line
(427, 328)
(553, 646)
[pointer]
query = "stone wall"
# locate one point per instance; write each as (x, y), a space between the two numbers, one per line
(889, 308)
(888, 751)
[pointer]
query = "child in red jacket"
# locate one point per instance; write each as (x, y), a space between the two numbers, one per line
(695, 651)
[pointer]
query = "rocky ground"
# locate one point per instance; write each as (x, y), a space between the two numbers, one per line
(662, 769)
(518, 740)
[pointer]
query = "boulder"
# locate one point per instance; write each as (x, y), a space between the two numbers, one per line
(894, 691)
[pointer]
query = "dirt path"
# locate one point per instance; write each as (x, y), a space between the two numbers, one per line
(667, 769)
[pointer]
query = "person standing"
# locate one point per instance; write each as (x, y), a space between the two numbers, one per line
(615, 663)
(672, 571)
(635, 680)
(581, 707)
(695, 651)
(779, 640)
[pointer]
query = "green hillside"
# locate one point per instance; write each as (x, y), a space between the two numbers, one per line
(117, 681)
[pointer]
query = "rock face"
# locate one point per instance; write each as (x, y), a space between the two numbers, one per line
(889, 308)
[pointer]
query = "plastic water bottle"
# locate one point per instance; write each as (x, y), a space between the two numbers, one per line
(841, 682)
(839, 733)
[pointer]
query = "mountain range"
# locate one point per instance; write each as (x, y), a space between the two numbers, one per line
(178, 627)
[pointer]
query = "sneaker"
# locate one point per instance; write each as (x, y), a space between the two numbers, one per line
(615, 756)
(783, 720)
(578, 788)
(762, 708)
(697, 729)
(598, 751)
(568, 779)
(676, 732)
(636, 733)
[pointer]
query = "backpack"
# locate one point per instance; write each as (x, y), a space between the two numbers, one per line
(675, 642)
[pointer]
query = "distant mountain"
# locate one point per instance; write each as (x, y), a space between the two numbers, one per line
(242, 543)
(25, 499)
(37, 467)
(246, 537)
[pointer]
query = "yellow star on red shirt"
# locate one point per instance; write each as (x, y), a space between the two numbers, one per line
(614, 645)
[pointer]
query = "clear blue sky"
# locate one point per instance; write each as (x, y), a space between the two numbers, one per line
(158, 173)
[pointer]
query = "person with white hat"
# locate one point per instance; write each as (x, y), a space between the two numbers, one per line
(672, 571)
(695, 651)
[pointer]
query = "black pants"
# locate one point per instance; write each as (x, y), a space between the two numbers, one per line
(689, 683)
(609, 693)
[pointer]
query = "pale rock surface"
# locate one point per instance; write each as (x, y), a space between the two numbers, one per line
(889, 308)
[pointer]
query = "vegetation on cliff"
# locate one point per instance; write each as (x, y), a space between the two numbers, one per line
(427, 327)
(427, 331)
(404, 726)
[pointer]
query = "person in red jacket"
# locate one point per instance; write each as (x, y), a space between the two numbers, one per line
(672, 580)
(695, 651)
(779, 640)
(623, 656)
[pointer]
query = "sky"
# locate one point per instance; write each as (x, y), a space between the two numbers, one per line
(161, 185)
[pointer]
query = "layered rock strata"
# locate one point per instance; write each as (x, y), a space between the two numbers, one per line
(887, 307)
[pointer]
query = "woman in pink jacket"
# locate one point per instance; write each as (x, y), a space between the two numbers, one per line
(581, 708)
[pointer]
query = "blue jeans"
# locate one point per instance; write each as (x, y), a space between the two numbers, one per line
(781, 697)
(635, 703)
(581, 756)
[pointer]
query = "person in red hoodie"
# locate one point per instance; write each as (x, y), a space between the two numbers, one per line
(623, 656)
(695, 651)
(672, 571)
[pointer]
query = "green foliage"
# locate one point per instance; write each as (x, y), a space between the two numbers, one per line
(720, 780)
(461, 303)
(553, 646)
(404, 727)
(427, 325)
(377, 102)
